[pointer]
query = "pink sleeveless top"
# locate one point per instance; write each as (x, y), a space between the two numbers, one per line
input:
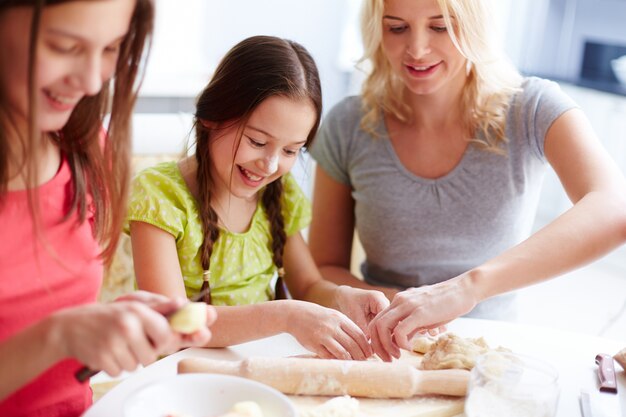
(35, 282)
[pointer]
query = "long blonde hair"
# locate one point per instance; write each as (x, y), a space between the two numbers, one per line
(491, 80)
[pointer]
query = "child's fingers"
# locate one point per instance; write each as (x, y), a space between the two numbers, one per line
(377, 345)
(199, 338)
(337, 349)
(382, 339)
(357, 336)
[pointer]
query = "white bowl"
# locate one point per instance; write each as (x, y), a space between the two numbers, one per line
(205, 395)
(619, 69)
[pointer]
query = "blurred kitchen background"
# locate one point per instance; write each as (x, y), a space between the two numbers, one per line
(570, 41)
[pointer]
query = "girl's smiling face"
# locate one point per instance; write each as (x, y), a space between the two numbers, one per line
(77, 50)
(418, 47)
(270, 143)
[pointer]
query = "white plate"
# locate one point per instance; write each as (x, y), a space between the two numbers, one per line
(204, 395)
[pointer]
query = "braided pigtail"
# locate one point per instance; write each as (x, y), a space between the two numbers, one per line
(272, 197)
(208, 216)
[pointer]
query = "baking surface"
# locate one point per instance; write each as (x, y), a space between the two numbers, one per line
(570, 352)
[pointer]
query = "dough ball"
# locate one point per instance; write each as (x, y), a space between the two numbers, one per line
(189, 319)
(247, 409)
(454, 352)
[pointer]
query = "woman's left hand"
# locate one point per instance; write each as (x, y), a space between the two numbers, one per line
(361, 306)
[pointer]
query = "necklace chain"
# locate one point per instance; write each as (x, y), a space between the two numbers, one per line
(222, 218)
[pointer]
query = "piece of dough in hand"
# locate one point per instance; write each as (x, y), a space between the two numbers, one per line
(189, 318)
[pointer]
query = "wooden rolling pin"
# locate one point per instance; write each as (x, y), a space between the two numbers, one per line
(306, 376)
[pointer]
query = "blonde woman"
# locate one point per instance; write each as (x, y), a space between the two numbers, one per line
(439, 163)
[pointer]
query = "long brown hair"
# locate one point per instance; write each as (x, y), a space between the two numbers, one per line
(100, 168)
(253, 70)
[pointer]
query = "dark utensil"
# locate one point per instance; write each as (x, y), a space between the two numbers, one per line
(606, 373)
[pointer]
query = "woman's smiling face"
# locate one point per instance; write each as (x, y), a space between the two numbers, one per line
(77, 51)
(270, 143)
(418, 47)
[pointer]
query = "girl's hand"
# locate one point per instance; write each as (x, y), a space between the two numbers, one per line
(165, 305)
(360, 305)
(119, 336)
(326, 332)
(418, 310)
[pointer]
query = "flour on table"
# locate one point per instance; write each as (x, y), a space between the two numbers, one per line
(320, 384)
(486, 402)
(345, 406)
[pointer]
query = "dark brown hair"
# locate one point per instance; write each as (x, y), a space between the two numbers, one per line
(100, 168)
(253, 70)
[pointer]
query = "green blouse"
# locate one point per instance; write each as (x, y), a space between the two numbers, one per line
(241, 263)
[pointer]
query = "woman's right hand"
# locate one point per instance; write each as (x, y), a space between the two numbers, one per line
(418, 310)
(326, 332)
(121, 335)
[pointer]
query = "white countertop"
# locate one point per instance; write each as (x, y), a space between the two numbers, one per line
(572, 354)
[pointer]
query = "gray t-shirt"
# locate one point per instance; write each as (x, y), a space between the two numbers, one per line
(417, 231)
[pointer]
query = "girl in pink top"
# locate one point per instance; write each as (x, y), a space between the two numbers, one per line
(62, 197)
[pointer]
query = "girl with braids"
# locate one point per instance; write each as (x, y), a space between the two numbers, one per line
(438, 164)
(62, 202)
(229, 217)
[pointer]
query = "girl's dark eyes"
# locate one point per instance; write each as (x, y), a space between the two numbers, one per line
(71, 49)
(112, 49)
(439, 28)
(64, 49)
(255, 143)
